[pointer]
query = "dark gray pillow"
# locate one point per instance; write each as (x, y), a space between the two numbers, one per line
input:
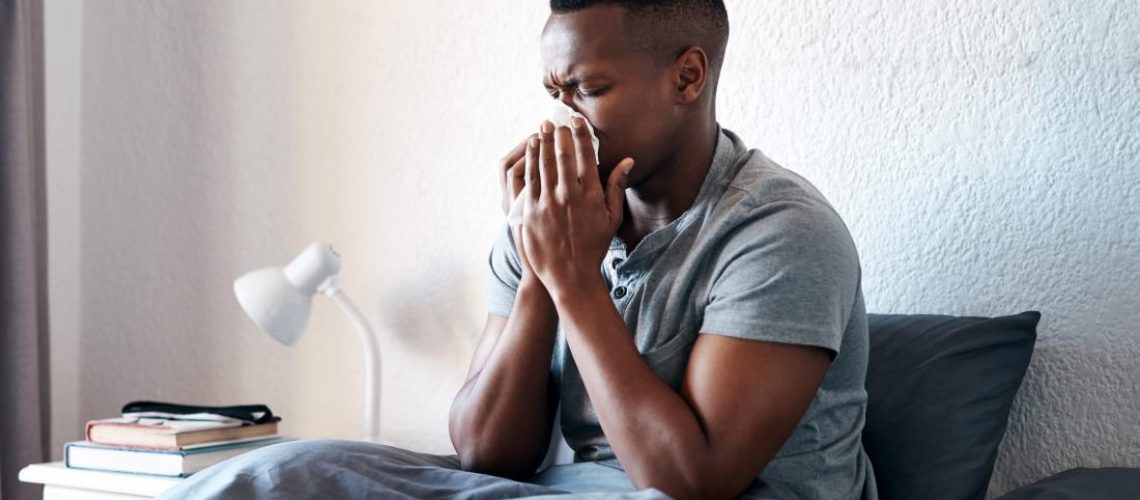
(1110, 483)
(939, 390)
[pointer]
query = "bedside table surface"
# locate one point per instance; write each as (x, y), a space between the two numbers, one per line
(56, 474)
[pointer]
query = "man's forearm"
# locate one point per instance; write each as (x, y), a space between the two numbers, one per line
(652, 429)
(500, 420)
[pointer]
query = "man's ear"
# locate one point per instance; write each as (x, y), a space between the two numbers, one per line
(691, 74)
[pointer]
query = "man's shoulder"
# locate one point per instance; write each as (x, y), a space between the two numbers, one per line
(756, 180)
(756, 189)
(762, 203)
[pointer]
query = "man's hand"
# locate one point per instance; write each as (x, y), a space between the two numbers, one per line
(512, 169)
(568, 219)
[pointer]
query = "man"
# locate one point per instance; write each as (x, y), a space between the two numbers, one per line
(693, 309)
(728, 307)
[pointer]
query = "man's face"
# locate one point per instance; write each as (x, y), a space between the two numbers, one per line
(623, 91)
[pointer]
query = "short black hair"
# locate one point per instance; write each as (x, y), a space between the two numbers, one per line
(669, 27)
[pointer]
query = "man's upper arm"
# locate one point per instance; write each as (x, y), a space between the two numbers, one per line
(748, 397)
(779, 304)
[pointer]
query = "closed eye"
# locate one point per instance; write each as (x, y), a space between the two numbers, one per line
(553, 91)
(582, 92)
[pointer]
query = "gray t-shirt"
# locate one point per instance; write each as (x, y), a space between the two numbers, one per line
(760, 255)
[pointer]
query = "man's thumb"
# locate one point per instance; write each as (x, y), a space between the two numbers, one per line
(615, 189)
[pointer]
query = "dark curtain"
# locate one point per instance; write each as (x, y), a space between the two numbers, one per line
(24, 412)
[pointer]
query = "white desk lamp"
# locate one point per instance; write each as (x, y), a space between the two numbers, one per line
(278, 300)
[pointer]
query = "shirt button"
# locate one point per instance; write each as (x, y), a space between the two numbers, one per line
(616, 262)
(619, 292)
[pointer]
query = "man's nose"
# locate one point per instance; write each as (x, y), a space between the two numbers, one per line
(567, 98)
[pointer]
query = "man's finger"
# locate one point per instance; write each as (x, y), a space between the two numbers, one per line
(513, 184)
(567, 160)
(587, 159)
(512, 159)
(516, 177)
(547, 163)
(615, 191)
(531, 179)
(515, 162)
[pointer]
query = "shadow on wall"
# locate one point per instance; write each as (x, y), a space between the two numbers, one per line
(419, 314)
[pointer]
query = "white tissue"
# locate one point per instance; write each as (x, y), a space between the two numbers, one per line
(560, 115)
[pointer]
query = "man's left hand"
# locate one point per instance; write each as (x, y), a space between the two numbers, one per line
(568, 218)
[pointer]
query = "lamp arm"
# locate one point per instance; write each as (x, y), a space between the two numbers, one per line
(331, 289)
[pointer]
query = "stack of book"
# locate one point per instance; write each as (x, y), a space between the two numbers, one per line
(166, 446)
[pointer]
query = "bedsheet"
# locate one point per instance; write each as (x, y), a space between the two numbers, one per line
(363, 470)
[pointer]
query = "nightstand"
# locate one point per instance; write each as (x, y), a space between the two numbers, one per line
(61, 483)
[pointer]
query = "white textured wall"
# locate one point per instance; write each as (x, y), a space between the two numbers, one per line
(984, 154)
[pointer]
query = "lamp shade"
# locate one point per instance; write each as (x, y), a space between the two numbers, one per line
(274, 304)
(278, 299)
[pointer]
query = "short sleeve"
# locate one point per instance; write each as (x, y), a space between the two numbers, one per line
(788, 273)
(505, 274)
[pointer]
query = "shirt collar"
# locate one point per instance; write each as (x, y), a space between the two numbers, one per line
(723, 155)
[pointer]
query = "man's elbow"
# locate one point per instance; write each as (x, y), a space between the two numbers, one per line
(487, 451)
(497, 463)
(702, 492)
(696, 486)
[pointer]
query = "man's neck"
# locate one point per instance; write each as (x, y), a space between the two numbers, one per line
(672, 188)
